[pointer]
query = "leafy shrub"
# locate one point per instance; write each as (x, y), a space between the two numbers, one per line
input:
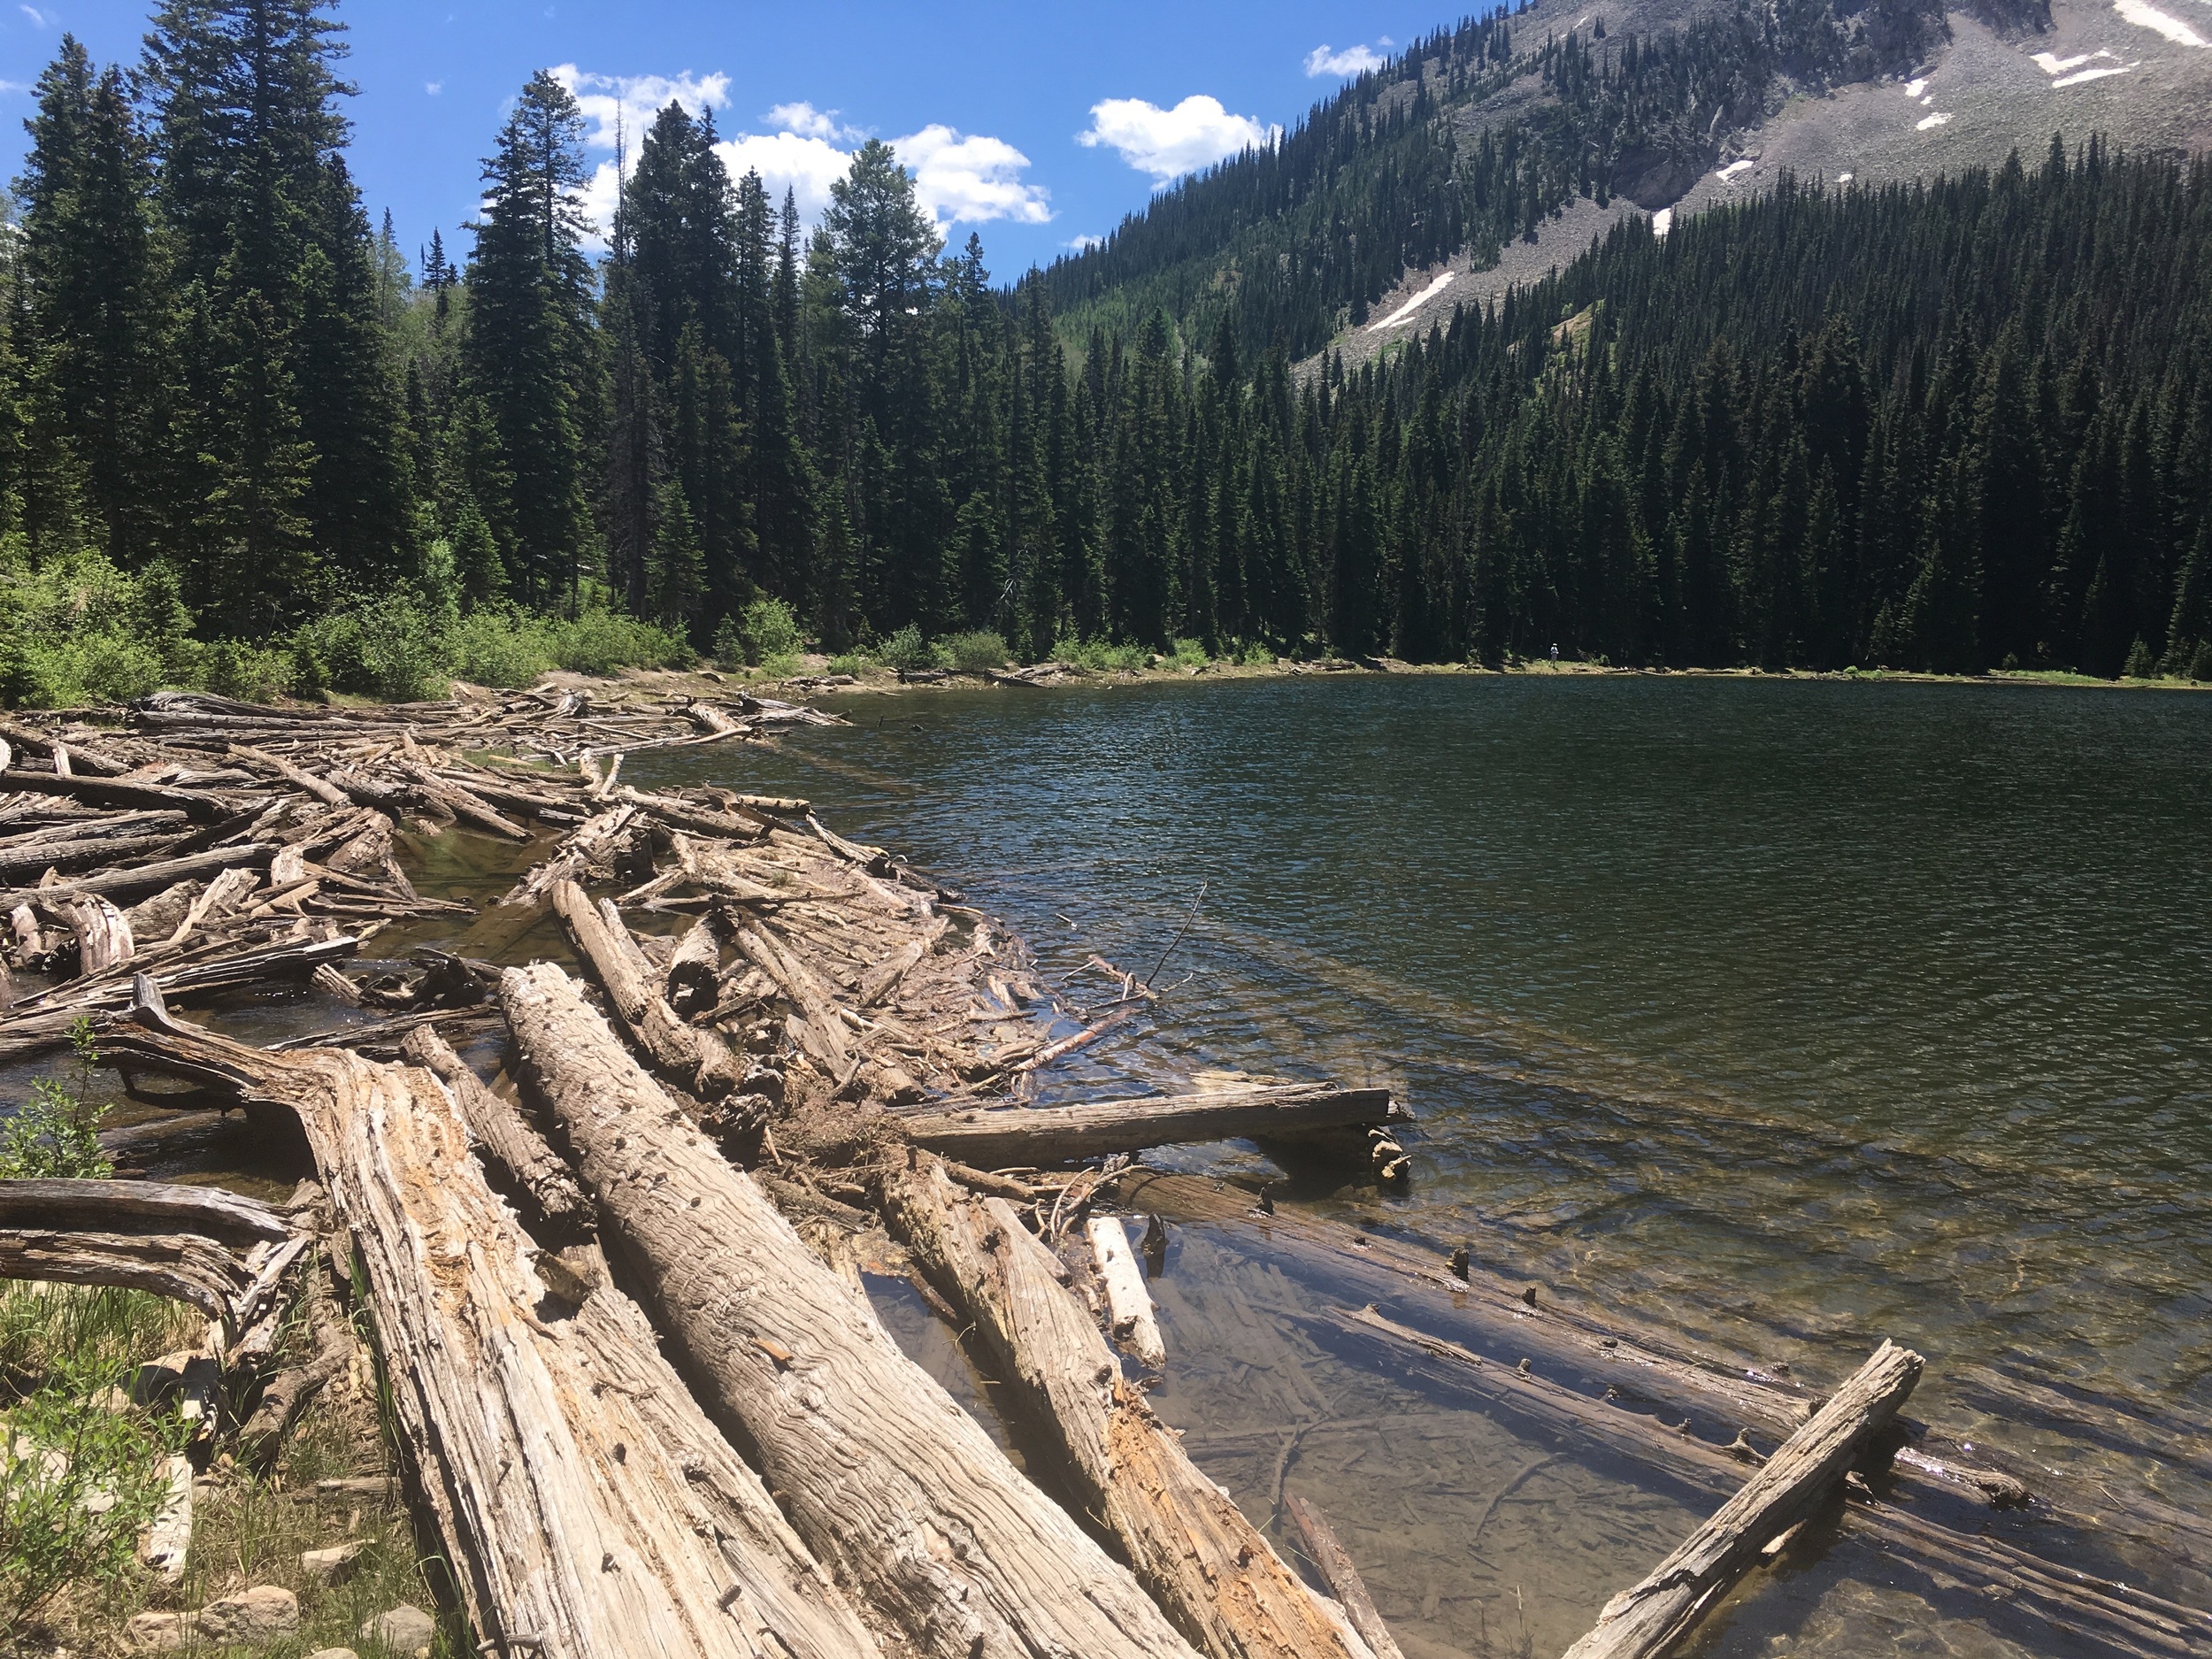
(600, 641)
(972, 652)
(499, 645)
(253, 674)
(908, 652)
(854, 663)
(1098, 656)
(55, 1134)
(764, 629)
(392, 647)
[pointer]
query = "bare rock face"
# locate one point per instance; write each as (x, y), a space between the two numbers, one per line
(250, 1618)
(403, 1629)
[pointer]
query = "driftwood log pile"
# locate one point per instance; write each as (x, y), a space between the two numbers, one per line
(647, 1400)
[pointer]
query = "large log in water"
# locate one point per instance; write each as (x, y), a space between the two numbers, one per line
(883, 1475)
(692, 1058)
(589, 1507)
(1189, 1543)
(1646, 1619)
(992, 1137)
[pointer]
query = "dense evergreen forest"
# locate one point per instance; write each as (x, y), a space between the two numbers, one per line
(1955, 426)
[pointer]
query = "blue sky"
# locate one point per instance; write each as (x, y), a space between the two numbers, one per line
(1036, 125)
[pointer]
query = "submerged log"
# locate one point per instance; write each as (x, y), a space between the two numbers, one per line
(1646, 1619)
(883, 1475)
(1333, 1562)
(518, 1149)
(1190, 1545)
(1053, 1134)
(588, 1505)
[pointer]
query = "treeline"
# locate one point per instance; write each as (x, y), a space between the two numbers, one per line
(1947, 426)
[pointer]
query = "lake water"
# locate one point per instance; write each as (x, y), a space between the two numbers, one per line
(1789, 1015)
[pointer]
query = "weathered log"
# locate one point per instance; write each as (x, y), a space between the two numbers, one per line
(103, 937)
(1064, 1046)
(460, 804)
(299, 778)
(188, 1243)
(885, 1477)
(1646, 1619)
(820, 1032)
(1053, 1135)
(1333, 1562)
(124, 886)
(588, 1506)
(694, 976)
(1189, 1544)
(519, 1149)
(2017, 1590)
(44, 1023)
(592, 842)
(157, 918)
(696, 1060)
(1128, 1303)
(69, 854)
(699, 820)
(880, 980)
(199, 806)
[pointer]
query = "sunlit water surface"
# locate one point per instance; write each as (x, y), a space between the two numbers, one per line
(1788, 1015)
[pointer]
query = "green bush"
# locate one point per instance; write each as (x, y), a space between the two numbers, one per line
(973, 652)
(2140, 664)
(499, 645)
(55, 1134)
(908, 652)
(600, 641)
(394, 647)
(764, 630)
(252, 673)
(1098, 656)
(854, 663)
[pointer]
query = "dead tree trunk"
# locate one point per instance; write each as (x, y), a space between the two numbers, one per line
(518, 1149)
(883, 1475)
(1053, 1134)
(1649, 1617)
(1333, 1562)
(588, 1506)
(1189, 1543)
(187, 1243)
(693, 1059)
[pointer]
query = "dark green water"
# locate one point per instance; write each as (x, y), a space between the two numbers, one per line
(1792, 1015)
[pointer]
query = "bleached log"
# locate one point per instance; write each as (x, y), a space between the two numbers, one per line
(885, 1477)
(298, 777)
(104, 937)
(586, 1503)
(693, 1059)
(519, 1149)
(1128, 1303)
(694, 976)
(1189, 1544)
(124, 886)
(990, 1137)
(1333, 1562)
(199, 805)
(1646, 1619)
(187, 1243)
(821, 1033)
(592, 842)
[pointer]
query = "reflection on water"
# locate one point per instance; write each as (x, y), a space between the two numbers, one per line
(1790, 1015)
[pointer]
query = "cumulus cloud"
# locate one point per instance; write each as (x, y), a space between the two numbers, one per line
(39, 19)
(1168, 143)
(1352, 60)
(971, 180)
(959, 178)
(1084, 244)
(627, 103)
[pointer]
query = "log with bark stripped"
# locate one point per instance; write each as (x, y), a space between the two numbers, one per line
(884, 1475)
(693, 1059)
(1650, 1616)
(191, 1244)
(588, 1506)
(519, 1149)
(1333, 1562)
(989, 1136)
(1190, 1545)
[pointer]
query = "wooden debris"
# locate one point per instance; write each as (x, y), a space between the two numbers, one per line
(1055, 1134)
(1333, 1562)
(871, 1458)
(1648, 1618)
(1129, 1304)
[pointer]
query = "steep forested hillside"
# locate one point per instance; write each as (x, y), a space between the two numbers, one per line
(1950, 425)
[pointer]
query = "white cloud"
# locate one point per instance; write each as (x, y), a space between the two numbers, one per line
(971, 180)
(809, 122)
(806, 167)
(433, 87)
(1352, 60)
(40, 19)
(1084, 244)
(628, 103)
(1168, 143)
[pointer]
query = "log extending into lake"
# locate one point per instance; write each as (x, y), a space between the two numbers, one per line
(989, 1136)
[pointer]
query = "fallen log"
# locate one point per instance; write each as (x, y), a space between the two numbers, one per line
(694, 976)
(889, 1480)
(518, 1149)
(1189, 1544)
(695, 1060)
(1128, 1304)
(200, 807)
(460, 804)
(123, 886)
(1650, 1616)
(589, 1506)
(69, 856)
(1333, 1562)
(594, 842)
(44, 1024)
(104, 937)
(299, 778)
(191, 1244)
(2016, 1590)
(990, 1137)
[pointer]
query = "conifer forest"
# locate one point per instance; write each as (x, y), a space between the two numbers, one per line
(1953, 426)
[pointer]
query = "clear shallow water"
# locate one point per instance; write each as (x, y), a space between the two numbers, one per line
(1791, 1015)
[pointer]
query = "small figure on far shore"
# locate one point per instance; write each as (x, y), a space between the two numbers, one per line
(1554, 651)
